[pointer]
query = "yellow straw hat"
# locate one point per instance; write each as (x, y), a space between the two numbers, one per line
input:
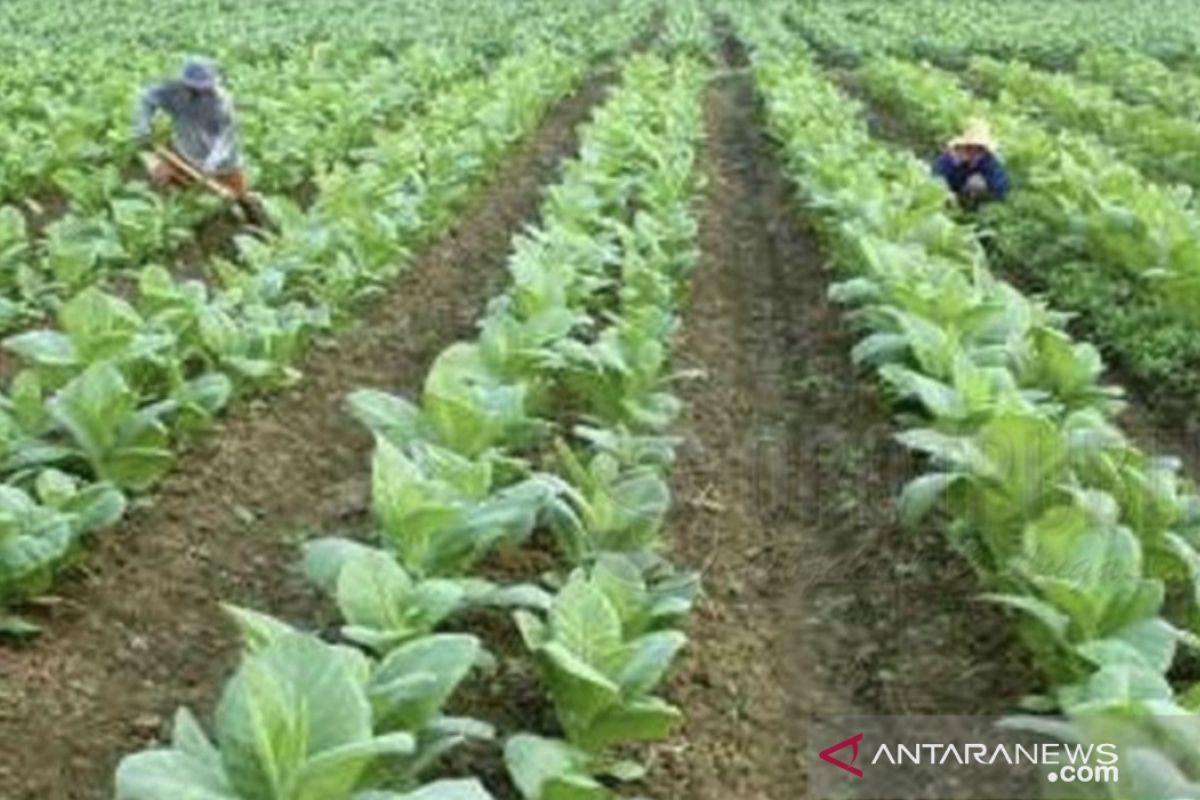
(977, 133)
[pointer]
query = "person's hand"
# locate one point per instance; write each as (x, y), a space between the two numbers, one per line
(210, 164)
(976, 186)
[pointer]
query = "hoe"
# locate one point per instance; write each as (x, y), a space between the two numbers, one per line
(251, 205)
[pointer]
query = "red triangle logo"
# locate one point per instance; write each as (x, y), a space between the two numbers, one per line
(827, 755)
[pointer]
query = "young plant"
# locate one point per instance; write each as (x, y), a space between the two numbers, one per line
(95, 326)
(294, 723)
(551, 769)
(38, 533)
(305, 720)
(601, 655)
(123, 443)
(439, 512)
(384, 606)
(464, 407)
(607, 507)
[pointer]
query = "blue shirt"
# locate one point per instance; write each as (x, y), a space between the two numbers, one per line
(957, 174)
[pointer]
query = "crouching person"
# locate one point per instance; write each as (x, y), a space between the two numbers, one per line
(971, 168)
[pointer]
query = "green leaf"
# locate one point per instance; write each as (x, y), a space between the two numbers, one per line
(17, 628)
(392, 417)
(373, 591)
(295, 698)
(650, 658)
(549, 768)
(44, 348)
(335, 772)
(441, 660)
(646, 720)
(586, 623)
(158, 774)
(99, 411)
(1055, 622)
(581, 692)
(952, 451)
(922, 494)
(258, 630)
(324, 559)
(187, 736)
(445, 790)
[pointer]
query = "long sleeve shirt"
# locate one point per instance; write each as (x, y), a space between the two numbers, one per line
(956, 174)
(202, 123)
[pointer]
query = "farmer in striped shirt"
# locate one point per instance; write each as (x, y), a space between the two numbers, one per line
(203, 133)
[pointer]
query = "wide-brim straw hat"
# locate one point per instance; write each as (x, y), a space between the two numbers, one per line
(977, 133)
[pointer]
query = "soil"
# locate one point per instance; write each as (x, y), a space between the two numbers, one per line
(817, 601)
(137, 630)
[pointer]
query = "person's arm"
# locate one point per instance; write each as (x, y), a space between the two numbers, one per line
(946, 168)
(223, 144)
(996, 176)
(150, 101)
(943, 166)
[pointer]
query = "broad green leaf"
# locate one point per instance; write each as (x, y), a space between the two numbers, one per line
(646, 720)
(536, 764)
(295, 698)
(158, 774)
(649, 659)
(336, 772)
(443, 659)
(586, 623)
(392, 417)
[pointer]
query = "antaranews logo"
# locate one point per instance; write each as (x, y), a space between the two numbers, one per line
(908, 762)
(852, 742)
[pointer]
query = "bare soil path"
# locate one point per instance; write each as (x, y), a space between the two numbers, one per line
(137, 630)
(817, 602)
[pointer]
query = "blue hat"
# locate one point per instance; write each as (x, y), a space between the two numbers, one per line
(199, 73)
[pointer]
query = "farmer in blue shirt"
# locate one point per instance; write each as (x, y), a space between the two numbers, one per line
(971, 168)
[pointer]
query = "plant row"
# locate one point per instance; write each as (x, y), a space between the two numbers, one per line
(1090, 228)
(1050, 36)
(102, 397)
(1139, 78)
(1163, 146)
(1064, 520)
(544, 433)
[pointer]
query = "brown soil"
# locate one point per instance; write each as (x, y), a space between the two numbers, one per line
(137, 631)
(817, 601)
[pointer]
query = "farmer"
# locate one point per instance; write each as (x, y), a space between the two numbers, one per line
(971, 167)
(204, 136)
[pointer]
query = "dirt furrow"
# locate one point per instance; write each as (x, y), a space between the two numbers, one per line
(137, 631)
(817, 602)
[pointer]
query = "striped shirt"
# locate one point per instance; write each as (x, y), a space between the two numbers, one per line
(202, 123)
